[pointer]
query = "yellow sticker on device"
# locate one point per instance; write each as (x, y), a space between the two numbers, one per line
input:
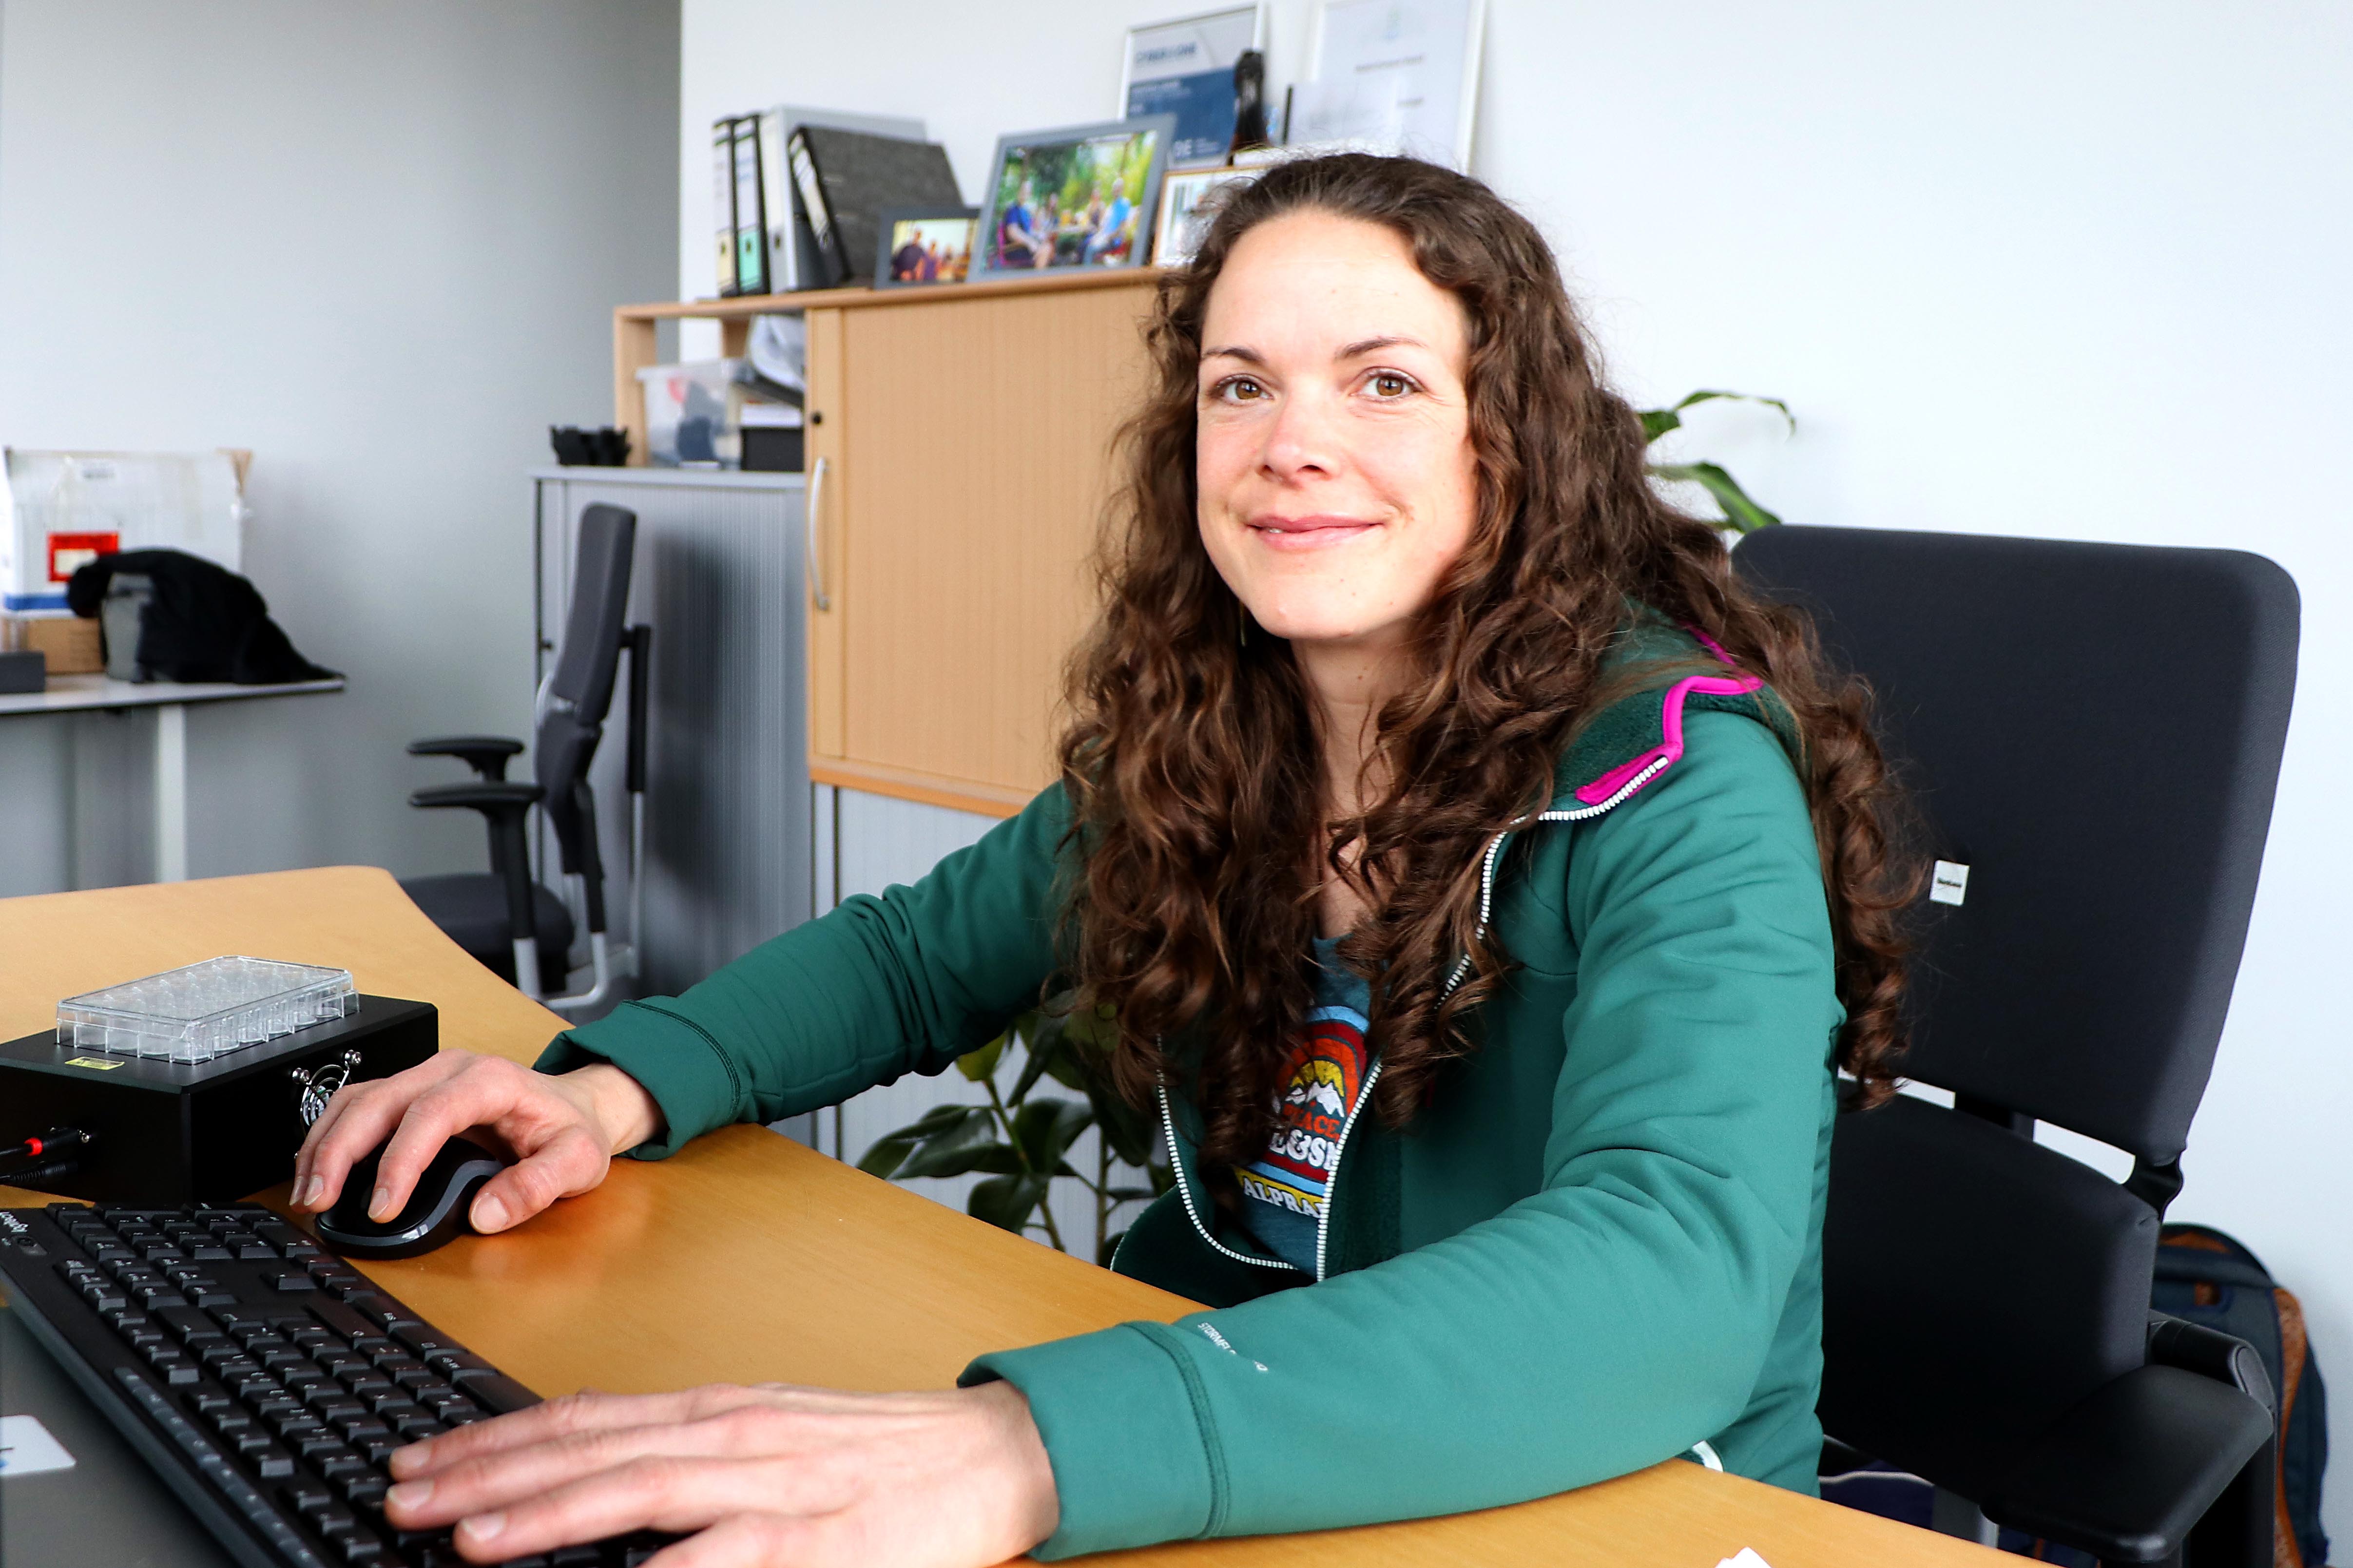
(93, 1063)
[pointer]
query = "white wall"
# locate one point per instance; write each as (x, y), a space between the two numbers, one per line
(2068, 269)
(378, 242)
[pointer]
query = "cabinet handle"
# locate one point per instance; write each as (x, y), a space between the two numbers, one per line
(816, 500)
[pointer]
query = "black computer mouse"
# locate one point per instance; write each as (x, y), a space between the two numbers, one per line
(437, 1211)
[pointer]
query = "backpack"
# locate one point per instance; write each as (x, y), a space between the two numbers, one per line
(2208, 1278)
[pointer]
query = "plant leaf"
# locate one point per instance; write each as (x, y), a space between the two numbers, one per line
(932, 1159)
(1131, 1195)
(1044, 1044)
(1733, 396)
(1657, 422)
(1128, 1130)
(982, 1063)
(1046, 1128)
(1740, 513)
(883, 1159)
(1007, 1202)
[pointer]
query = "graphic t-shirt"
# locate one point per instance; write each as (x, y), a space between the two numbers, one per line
(1283, 1189)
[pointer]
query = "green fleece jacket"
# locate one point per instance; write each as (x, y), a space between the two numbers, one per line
(1599, 1245)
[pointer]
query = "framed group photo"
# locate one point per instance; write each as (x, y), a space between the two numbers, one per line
(1083, 195)
(915, 245)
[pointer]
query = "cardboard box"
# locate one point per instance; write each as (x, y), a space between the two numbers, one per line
(71, 642)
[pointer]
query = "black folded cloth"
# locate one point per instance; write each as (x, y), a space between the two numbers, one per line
(204, 622)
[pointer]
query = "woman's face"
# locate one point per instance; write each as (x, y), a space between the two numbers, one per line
(1333, 458)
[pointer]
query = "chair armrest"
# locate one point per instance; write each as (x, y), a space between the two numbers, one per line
(489, 798)
(2129, 1471)
(2209, 1353)
(486, 755)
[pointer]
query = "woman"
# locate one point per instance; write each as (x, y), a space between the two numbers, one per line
(1478, 873)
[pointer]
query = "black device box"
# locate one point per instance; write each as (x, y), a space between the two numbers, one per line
(772, 449)
(164, 1132)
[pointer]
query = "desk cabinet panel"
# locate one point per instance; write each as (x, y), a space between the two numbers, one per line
(966, 443)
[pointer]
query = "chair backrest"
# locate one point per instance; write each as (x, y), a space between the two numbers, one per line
(2094, 731)
(579, 691)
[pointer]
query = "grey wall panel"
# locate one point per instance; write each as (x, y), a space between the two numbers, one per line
(718, 577)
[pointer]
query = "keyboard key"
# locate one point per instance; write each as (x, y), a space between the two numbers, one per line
(495, 1389)
(304, 1494)
(288, 1280)
(422, 1338)
(365, 1491)
(361, 1549)
(271, 1464)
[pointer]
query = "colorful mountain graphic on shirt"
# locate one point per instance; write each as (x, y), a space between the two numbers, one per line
(1327, 1069)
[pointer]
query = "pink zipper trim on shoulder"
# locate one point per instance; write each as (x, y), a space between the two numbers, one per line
(1669, 750)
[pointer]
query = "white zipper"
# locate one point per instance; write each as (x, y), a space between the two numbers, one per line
(1486, 908)
(1332, 1175)
(1184, 1191)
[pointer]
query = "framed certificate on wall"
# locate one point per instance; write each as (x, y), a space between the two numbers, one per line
(1186, 68)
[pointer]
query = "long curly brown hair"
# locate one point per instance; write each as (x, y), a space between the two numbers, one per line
(1191, 761)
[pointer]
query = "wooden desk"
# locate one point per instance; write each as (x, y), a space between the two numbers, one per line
(748, 1258)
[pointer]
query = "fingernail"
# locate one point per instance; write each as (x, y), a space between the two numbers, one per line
(410, 1494)
(317, 1185)
(490, 1214)
(414, 1457)
(484, 1526)
(380, 1206)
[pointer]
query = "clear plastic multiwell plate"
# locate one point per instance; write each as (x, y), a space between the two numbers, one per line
(195, 1013)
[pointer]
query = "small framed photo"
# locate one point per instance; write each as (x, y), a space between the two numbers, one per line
(915, 245)
(1188, 204)
(1085, 195)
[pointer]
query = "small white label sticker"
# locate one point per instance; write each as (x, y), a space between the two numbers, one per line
(1950, 883)
(26, 1448)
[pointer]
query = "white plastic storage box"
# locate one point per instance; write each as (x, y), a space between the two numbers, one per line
(695, 412)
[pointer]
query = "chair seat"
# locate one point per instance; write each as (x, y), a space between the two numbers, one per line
(471, 910)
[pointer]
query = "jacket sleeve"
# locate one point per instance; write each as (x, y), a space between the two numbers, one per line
(876, 988)
(1609, 1320)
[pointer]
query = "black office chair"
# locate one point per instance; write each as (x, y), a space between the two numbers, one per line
(2092, 734)
(517, 927)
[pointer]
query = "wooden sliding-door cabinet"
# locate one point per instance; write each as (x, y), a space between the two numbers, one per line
(959, 469)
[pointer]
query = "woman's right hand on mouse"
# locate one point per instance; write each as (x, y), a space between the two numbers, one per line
(564, 1130)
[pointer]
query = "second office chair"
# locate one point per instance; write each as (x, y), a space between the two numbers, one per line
(517, 927)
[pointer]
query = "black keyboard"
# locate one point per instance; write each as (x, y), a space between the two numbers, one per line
(265, 1381)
